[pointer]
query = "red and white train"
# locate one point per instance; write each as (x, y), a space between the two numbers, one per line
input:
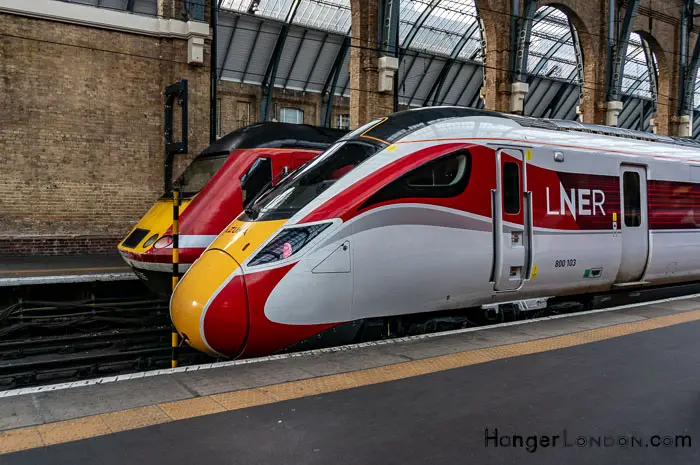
(216, 187)
(444, 208)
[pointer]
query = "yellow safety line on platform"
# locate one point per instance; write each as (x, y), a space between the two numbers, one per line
(107, 423)
(54, 270)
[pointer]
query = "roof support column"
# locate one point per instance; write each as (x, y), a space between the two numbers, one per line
(268, 83)
(520, 47)
(688, 71)
(653, 85)
(389, 44)
(329, 87)
(496, 90)
(617, 53)
(213, 78)
(370, 98)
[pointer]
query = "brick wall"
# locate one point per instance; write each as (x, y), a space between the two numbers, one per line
(76, 245)
(81, 131)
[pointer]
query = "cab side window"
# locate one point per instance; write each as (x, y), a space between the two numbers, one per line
(255, 179)
(632, 199)
(443, 177)
(511, 188)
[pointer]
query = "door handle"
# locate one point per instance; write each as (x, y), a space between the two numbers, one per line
(529, 234)
(497, 240)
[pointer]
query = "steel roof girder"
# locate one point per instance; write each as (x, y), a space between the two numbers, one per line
(389, 11)
(653, 86)
(691, 71)
(331, 82)
(619, 50)
(521, 38)
(252, 49)
(454, 79)
(294, 60)
(419, 23)
(228, 48)
(415, 91)
(437, 84)
(268, 82)
(313, 66)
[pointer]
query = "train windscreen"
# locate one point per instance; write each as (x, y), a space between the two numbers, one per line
(295, 192)
(199, 172)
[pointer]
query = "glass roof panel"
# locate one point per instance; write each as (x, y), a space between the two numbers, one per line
(327, 15)
(472, 49)
(551, 50)
(443, 28)
(441, 24)
(635, 77)
(274, 9)
(409, 14)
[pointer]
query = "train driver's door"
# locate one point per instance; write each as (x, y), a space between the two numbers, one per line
(634, 224)
(512, 221)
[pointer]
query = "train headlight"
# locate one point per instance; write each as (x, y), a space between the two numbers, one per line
(150, 241)
(287, 243)
(163, 242)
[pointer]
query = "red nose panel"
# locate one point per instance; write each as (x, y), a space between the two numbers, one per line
(226, 320)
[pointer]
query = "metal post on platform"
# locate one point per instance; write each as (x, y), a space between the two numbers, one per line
(175, 338)
(213, 77)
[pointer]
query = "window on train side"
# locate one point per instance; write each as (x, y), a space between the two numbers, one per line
(443, 177)
(255, 179)
(440, 173)
(632, 199)
(511, 188)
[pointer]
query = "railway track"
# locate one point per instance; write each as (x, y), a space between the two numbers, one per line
(71, 334)
(43, 342)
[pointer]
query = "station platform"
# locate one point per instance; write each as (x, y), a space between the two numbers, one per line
(21, 271)
(608, 386)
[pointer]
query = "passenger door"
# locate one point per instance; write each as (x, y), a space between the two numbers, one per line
(512, 221)
(634, 223)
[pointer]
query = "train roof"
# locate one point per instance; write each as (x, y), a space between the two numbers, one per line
(276, 135)
(434, 122)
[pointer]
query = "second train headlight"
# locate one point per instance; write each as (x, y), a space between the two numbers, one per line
(287, 243)
(150, 241)
(163, 242)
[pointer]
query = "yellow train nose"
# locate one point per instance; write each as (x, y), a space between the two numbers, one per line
(209, 307)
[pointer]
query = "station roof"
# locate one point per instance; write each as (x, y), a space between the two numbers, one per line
(441, 62)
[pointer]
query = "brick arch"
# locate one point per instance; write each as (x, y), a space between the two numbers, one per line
(495, 15)
(592, 68)
(663, 81)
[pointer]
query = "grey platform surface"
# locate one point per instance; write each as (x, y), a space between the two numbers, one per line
(45, 405)
(63, 269)
(627, 389)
